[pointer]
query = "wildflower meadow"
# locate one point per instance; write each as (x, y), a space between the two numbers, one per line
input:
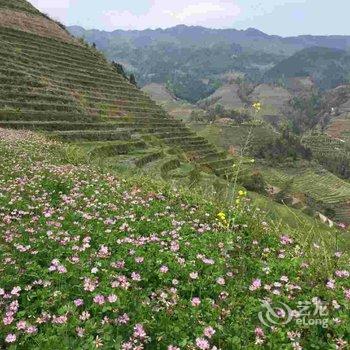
(90, 260)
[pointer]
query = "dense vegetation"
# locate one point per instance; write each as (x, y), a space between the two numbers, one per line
(328, 67)
(192, 59)
(96, 261)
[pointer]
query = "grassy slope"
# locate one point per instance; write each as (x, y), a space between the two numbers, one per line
(225, 136)
(19, 5)
(176, 108)
(324, 188)
(125, 251)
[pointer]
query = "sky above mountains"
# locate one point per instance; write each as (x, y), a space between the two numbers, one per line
(280, 17)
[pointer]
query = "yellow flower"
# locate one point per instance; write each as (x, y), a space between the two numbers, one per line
(238, 201)
(257, 106)
(222, 216)
(242, 193)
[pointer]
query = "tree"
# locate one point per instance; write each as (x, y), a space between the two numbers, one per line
(120, 69)
(133, 79)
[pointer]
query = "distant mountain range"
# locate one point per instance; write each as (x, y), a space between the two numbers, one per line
(200, 36)
(192, 61)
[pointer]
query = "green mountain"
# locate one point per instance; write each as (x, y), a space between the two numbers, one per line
(192, 60)
(327, 67)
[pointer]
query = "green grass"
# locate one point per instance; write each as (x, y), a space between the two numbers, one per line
(226, 136)
(85, 250)
(19, 5)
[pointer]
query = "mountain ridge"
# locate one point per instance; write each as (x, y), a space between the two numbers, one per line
(335, 41)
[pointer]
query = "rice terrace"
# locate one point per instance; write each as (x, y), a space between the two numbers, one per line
(174, 179)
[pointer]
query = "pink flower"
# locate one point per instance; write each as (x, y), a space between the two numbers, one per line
(103, 252)
(342, 273)
(256, 284)
(164, 269)
(127, 346)
(120, 264)
(209, 332)
(99, 299)
(202, 344)
(174, 246)
(31, 330)
(139, 259)
(195, 301)
(90, 284)
(84, 316)
(112, 298)
(7, 320)
(135, 276)
(79, 302)
(194, 275)
(284, 279)
(123, 319)
(347, 294)
(139, 331)
(59, 319)
(330, 284)
(220, 281)
(285, 240)
(21, 325)
(259, 332)
(172, 347)
(80, 331)
(208, 261)
(15, 291)
(61, 269)
(10, 338)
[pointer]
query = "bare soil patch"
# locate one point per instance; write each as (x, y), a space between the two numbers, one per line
(34, 24)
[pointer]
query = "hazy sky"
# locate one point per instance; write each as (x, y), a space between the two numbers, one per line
(281, 17)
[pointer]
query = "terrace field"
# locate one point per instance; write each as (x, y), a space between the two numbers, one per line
(72, 93)
(314, 186)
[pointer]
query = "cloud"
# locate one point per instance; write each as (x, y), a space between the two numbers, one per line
(55, 8)
(211, 13)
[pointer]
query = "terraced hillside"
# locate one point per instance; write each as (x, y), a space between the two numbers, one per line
(315, 187)
(234, 138)
(71, 92)
(325, 147)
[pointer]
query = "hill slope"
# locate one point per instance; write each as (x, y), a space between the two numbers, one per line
(96, 261)
(327, 67)
(53, 83)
